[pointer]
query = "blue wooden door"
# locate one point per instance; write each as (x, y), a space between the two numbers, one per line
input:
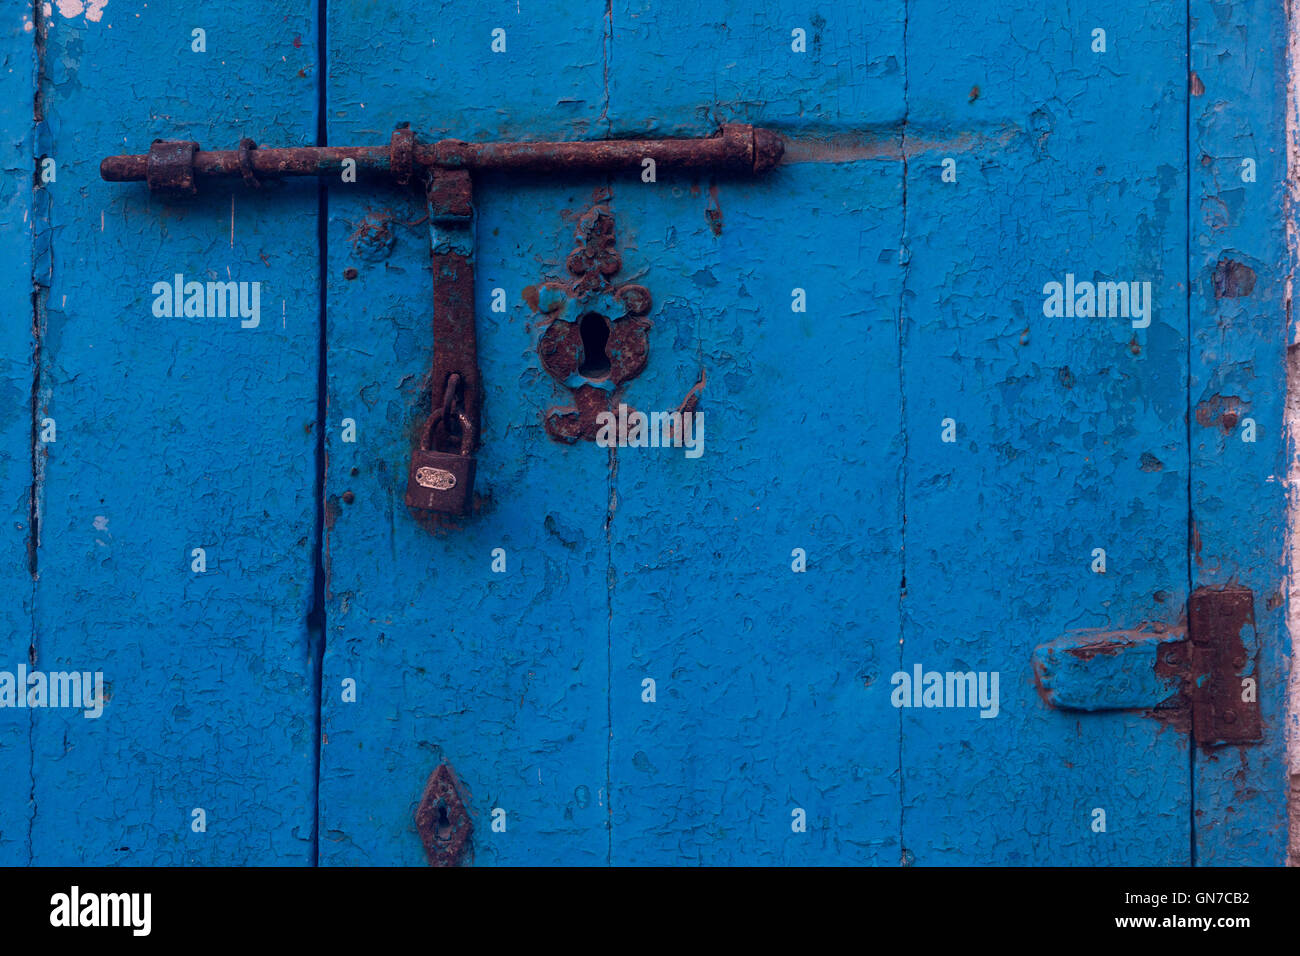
(921, 453)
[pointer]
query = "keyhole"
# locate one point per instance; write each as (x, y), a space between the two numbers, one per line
(443, 826)
(594, 328)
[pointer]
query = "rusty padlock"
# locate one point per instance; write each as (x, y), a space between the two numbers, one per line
(442, 480)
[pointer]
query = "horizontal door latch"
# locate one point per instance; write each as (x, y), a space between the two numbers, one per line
(177, 166)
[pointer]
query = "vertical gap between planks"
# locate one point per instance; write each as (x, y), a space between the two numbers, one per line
(316, 616)
(610, 579)
(608, 53)
(904, 258)
(38, 207)
(1187, 418)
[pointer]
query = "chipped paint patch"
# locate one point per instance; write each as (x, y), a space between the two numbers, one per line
(69, 9)
(1222, 410)
(1233, 280)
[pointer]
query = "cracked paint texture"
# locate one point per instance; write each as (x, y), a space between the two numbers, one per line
(173, 434)
(17, 355)
(823, 433)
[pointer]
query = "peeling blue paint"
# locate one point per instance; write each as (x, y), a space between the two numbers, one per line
(769, 700)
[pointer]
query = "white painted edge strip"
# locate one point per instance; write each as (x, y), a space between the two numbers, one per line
(1292, 414)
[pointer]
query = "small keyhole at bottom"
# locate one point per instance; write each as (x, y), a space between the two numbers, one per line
(594, 329)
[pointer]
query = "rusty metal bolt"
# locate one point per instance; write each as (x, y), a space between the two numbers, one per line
(576, 264)
(171, 167)
(635, 298)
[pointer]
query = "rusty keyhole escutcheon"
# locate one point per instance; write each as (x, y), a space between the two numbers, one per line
(596, 337)
(442, 819)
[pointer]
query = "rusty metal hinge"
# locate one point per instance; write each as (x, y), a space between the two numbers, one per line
(1218, 667)
(1202, 669)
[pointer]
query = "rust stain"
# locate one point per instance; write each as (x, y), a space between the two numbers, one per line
(689, 403)
(373, 237)
(973, 95)
(578, 422)
(1223, 411)
(1195, 85)
(1102, 649)
(1233, 280)
(531, 295)
(1171, 665)
(713, 211)
(692, 400)
(1043, 692)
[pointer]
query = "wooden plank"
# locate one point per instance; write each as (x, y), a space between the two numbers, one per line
(767, 679)
(17, 361)
(1069, 431)
(769, 740)
(502, 675)
(177, 433)
(1239, 269)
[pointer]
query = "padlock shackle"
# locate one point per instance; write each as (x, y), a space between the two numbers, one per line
(468, 433)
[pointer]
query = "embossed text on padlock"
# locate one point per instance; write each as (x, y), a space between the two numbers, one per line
(441, 480)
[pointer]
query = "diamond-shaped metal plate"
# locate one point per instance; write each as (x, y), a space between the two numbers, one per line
(442, 820)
